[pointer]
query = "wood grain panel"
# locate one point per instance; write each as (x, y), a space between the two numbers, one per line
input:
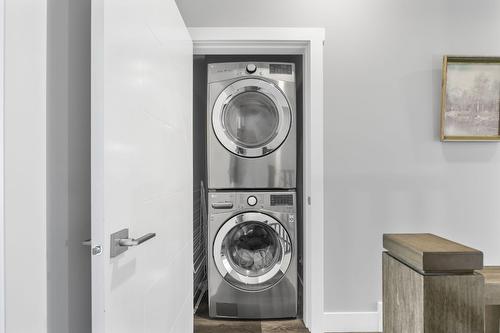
(432, 254)
(491, 276)
(492, 319)
(418, 303)
(454, 303)
(403, 291)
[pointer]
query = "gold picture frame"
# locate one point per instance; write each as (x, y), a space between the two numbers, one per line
(470, 100)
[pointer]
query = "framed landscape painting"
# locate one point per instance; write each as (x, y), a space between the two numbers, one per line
(470, 106)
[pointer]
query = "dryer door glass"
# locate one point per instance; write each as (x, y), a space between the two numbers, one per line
(252, 251)
(251, 117)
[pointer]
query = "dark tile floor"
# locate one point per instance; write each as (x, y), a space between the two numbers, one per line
(203, 324)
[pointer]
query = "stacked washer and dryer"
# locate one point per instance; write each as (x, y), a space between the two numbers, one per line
(252, 170)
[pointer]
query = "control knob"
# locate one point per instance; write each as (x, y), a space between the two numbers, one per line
(251, 68)
(252, 200)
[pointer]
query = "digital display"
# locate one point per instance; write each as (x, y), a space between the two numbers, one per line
(282, 200)
(280, 69)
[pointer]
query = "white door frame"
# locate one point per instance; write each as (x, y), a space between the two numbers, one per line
(2, 225)
(309, 43)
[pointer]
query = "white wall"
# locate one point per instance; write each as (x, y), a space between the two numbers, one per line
(24, 166)
(386, 170)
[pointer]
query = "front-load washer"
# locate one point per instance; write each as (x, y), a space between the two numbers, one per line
(251, 119)
(252, 255)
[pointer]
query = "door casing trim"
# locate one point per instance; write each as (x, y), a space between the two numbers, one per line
(307, 42)
(2, 190)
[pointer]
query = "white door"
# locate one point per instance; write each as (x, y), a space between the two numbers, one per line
(141, 167)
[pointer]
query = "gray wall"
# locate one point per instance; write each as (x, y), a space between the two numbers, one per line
(68, 166)
(386, 170)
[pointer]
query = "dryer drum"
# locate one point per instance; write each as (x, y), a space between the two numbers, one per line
(251, 117)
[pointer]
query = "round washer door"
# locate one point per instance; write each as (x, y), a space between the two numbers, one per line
(251, 117)
(252, 251)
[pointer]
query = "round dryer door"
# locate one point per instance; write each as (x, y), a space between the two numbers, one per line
(252, 251)
(251, 117)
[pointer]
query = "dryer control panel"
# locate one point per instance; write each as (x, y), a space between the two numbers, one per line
(233, 70)
(281, 69)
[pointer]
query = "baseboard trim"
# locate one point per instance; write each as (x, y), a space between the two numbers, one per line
(353, 321)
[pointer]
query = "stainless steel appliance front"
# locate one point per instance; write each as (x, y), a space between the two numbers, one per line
(251, 122)
(252, 264)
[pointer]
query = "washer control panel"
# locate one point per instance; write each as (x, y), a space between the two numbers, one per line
(224, 202)
(281, 199)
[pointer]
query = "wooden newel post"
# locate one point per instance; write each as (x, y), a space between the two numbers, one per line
(429, 285)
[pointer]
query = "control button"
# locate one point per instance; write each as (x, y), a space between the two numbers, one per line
(252, 200)
(222, 205)
(251, 68)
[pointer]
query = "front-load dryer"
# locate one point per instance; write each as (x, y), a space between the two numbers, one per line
(252, 255)
(251, 134)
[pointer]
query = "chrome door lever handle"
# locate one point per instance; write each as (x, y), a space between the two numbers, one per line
(135, 242)
(120, 242)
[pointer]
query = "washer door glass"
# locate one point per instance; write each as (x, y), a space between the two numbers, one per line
(252, 251)
(251, 117)
(252, 248)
